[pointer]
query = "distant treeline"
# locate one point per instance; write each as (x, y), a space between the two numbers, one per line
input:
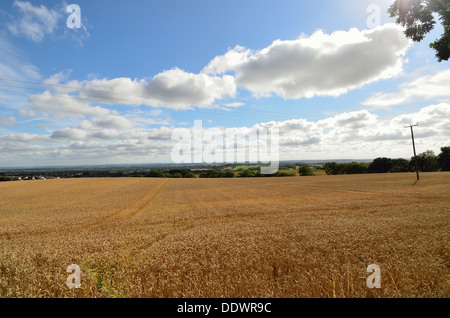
(215, 174)
(244, 174)
(426, 162)
(170, 174)
(72, 173)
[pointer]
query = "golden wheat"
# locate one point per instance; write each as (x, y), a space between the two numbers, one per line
(257, 237)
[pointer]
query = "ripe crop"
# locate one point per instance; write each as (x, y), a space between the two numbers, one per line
(255, 237)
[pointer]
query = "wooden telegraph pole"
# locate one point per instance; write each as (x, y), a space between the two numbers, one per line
(414, 148)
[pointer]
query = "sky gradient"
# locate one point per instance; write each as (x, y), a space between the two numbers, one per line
(338, 80)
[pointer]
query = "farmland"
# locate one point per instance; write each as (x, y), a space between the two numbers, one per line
(255, 237)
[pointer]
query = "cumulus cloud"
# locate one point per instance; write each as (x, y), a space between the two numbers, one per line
(162, 133)
(63, 106)
(319, 65)
(429, 87)
(107, 134)
(35, 22)
(110, 128)
(117, 122)
(360, 134)
(351, 135)
(68, 134)
(434, 116)
(175, 89)
(25, 138)
(229, 61)
(351, 120)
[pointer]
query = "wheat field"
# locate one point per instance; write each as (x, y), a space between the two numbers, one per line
(255, 237)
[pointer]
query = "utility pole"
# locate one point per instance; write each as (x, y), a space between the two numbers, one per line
(414, 148)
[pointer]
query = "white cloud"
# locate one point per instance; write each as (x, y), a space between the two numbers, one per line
(8, 121)
(35, 22)
(352, 120)
(352, 135)
(110, 121)
(175, 89)
(55, 79)
(162, 133)
(13, 64)
(319, 65)
(433, 116)
(107, 134)
(24, 138)
(110, 128)
(14, 67)
(236, 104)
(149, 121)
(117, 122)
(429, 87)
(63, 106)
(229, 61)
(69, 134)
(27, 113)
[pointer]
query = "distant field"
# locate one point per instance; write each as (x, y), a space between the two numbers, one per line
(243, 167)
(243, 237)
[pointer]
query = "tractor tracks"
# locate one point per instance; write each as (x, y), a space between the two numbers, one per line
(136, 206)
(128, 211)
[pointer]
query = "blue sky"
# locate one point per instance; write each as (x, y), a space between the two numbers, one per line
(336, 79)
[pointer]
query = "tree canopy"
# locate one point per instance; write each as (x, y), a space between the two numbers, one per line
(427, 161)
(380, 165)
(444, 159)
(417, 17)
(305, 171)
